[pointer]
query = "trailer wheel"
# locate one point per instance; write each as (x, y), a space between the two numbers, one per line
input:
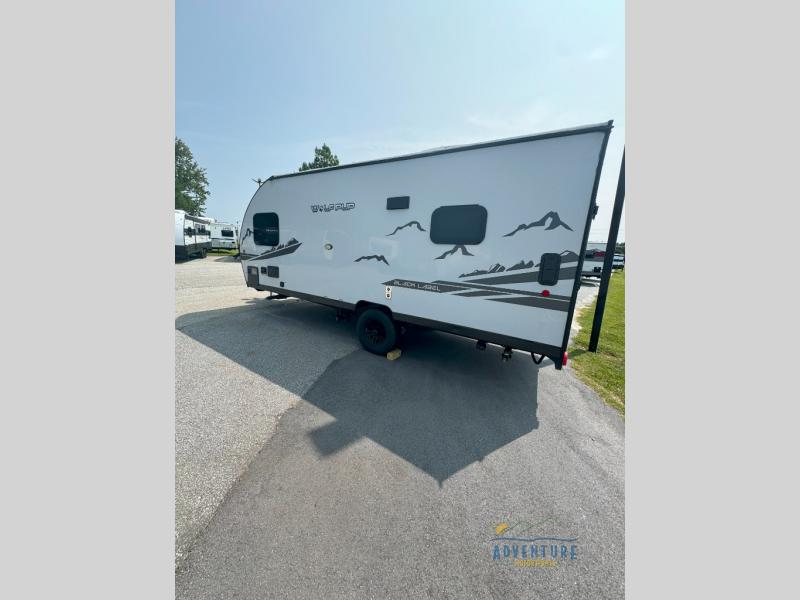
(376, 331)
(203, 253)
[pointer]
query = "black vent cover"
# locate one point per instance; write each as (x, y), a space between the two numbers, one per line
(397, 202)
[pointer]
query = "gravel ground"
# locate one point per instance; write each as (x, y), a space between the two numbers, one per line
(209, 283)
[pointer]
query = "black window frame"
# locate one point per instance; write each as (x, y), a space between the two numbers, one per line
(448, 227)
(228, 233)
(269, 235)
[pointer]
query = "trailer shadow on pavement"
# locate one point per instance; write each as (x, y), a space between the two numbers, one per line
(227, 258)
(441, 407)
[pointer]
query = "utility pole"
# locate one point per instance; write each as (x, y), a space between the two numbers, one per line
(611, 246)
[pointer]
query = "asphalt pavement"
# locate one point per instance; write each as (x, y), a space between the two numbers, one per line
(306, 467)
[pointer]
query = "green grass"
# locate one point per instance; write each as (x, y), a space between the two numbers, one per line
(604, 370)
(232, 252)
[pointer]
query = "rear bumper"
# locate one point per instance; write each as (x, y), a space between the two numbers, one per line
(594, 272)
(223, 245)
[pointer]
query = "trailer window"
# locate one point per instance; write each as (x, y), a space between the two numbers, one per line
(458, 224)
(265, 229)
(227, 233)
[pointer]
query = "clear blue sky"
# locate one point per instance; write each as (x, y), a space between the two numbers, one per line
(259, 84)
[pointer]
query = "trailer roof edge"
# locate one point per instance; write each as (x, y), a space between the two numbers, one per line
(599, 127)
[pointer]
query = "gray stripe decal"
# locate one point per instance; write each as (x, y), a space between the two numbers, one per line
(507, 290)
(478, 293)
(560, 305)
(469, 290)
(568, 273)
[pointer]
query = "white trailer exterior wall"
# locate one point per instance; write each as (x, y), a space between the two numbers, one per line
(340, 245)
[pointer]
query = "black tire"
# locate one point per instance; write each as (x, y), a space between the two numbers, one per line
(376, 331)
(203, 253)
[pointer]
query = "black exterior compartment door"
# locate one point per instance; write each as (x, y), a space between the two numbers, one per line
(549, 268)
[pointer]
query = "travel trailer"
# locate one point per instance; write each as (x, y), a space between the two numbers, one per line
(593, 259)
(619, 261)
(192, 235)
(485, 241)
(224, 236)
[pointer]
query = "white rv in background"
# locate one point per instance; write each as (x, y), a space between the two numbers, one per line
(192, 235)
(224, 236)
(593, 259)
(485, 241)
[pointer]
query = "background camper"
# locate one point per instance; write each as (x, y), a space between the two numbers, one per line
(593, 259)
(485, 241)
(224, 236)
(192, 235)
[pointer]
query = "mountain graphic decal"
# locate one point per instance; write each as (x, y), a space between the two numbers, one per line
(378, 257)
(567, 256)
(409, 224)
(281, 250)
(555, 221)
(521, 265)
(497, 268)
(453, 250)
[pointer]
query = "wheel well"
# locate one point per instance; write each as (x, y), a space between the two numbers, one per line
(363, 305)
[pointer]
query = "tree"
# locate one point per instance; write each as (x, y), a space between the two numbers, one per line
(323, 157)
(191, 184)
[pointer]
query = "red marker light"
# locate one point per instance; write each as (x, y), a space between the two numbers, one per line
(545, 293)
(564, 360)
